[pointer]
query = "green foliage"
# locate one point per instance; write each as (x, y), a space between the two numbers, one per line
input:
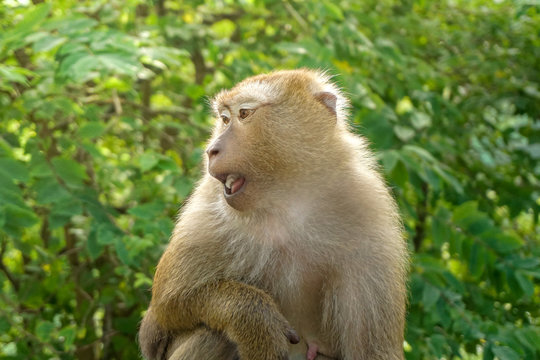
(103, 119)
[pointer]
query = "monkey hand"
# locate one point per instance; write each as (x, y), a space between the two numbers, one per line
(153, 339)
(266, 339)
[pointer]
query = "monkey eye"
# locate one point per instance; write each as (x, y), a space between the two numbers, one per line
(244, 113)
(225, 119)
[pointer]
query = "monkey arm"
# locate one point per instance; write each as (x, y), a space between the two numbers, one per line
(246, 315)
(364, 321)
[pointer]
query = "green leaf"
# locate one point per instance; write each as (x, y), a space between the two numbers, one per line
(183, 186)
(44, 330)
(389, 160)
(505, 353)
(31, 19)
(530, 337)
(404, 105)
(147, 161)
(439, 231)
(400, 174)
(39, 167)
(12, 73)
(333, 9)
(420, 120)
(95, 248)
(477, 260)
(19, 217)
(80, 66)
(223, 29)
(430, 295)
(91, 130)
(13, 169)
(2, 216)
(4, 324)
(468, 217)
(120, 63)
(501, 242)
(449, 179)
(292, 48)
(105, 234)
(378, 128)
(48, 190)
(72, 24)
(70, 171)
(421, 153)
(10, 193)
(121, 250)
(438, 345)
(147, 211)
(34, 17)
(169, 164)
(404, 133)
(49, 42)
(512, 282)
(63, 211)
(142, 281)
(525, 283)
(67, 336)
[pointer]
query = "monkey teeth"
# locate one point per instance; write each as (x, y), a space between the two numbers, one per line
(230, 181)
(233, 183)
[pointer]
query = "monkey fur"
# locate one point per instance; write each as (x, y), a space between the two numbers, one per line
(290, 246)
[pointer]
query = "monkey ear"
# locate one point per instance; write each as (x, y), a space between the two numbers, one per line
(327, 99)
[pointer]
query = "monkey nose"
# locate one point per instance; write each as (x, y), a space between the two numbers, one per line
(212, 151)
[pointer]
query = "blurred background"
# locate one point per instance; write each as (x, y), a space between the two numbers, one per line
(104, 115)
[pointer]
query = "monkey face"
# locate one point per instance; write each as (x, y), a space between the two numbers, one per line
(238, 153)
(269, 130)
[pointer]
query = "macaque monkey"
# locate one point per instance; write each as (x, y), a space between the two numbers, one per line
(291, 246)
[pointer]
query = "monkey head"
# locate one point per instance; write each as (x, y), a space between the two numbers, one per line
(270, 130)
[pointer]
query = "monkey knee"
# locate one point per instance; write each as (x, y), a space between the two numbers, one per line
(201, 344)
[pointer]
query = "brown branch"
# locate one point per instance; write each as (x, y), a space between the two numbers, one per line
(5, 270)
(421, 211)
(45, 231)
(107, 329)
(160, 8)
(198, 61)
(146, 93)
(117, 103)
(214, 18)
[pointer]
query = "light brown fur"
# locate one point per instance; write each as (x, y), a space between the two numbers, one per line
(312, 242)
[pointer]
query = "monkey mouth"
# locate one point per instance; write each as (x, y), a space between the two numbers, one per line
(233, 183)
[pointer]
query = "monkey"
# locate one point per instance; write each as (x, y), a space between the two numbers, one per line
(291, 245)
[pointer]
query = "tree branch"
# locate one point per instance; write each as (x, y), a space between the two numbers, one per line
(5, 270)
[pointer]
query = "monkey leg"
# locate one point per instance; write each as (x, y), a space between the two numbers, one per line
(201, 344)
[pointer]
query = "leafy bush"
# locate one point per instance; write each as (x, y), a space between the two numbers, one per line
(103, 119)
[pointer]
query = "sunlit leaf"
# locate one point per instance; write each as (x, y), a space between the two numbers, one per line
(91, 130)
(147, 161)
(223, 28)
(404, 133)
